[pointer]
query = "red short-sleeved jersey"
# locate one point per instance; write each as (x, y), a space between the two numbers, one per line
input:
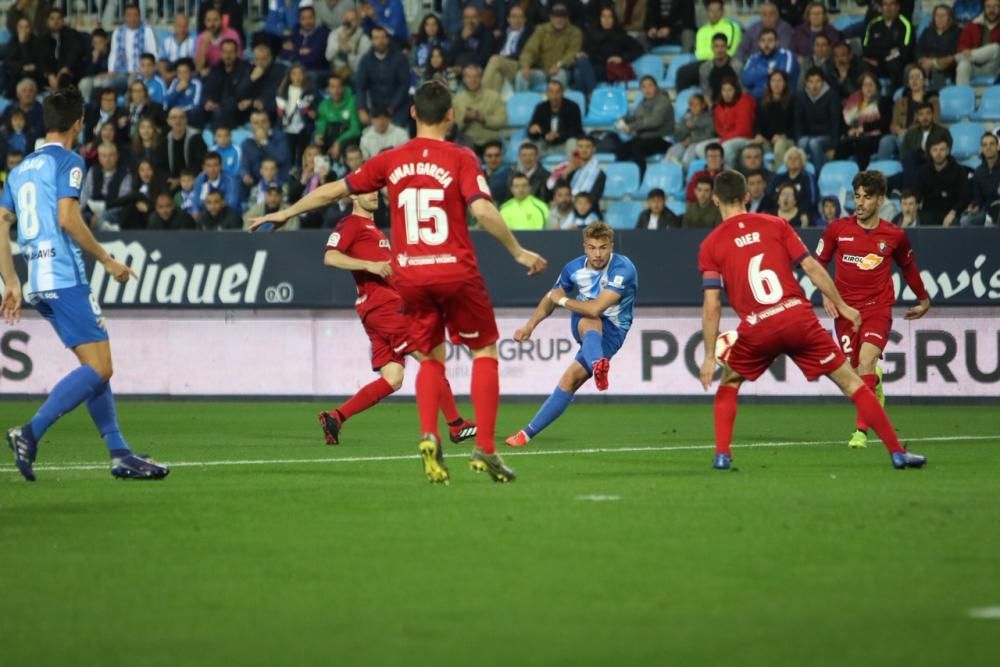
(751, 256)
(431, 184)
(359, 238)
(862, 270)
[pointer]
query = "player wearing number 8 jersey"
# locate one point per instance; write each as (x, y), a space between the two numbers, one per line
(751, 256)
(431, 183)
(861, 247)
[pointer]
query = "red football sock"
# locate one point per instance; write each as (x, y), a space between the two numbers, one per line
(873, 414)
(725, 418)
(871, 380)
(448, 406)
(367, 396)
(485, 400)
(429, 382)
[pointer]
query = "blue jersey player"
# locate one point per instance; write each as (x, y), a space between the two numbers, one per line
(606, 286)
(42, 198)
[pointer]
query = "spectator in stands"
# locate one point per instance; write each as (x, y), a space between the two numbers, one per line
(712, 72)
(128, 43)
(313, 172)
(717, 24)
(347, 45)
(383, 79)
(910, 214)
(985, 183)
(561, 208)
(296, 103)
(307, 44)
(583, 211)
(582, 171)
(229, 153)
(382, 134)
(331, 12)
(793, 11)
(818, 115)
(797, 175)
(967, 10)
(504, 65)
(867, 115)
(226, 98)
(281, 18)
(904, 112)
(607, 53)
(550, 51)
(210, 47)
(388, 15)
(692, 133)
(230, 11)
(650, 121)
(937, 46)
(656, 214)
(979, 45)
(187, 92)
(148, 146)
(213, 178)
(62, 51)
(844, 71)
(27, 102)
(185, 147)
(16, 136)
(829, 210)
(36, 11)
(760, 201)
(473, 44)
(914, 149)
(167, 216)
(218, 214)
(734, 115)
(670, 22)
(714, 164)
(106, 134)
(820, 57)
(524, 211)
(11, 159)
(147, 185)
(110, 184)
(185, 196)
(943, 185)
(816, 23)
(180, 44)
(104, 111)
(889, 42)
(155, 87)
(268, 177)
(271, 202)
(263, 143)
(21, 57)
(479, 113)
(702, 212)
(529, 166)
(769, 20)
(788, 207)
(767, 59)
(555, 120)
(140, 106)
(775, 120)
(429, 34)
(95, 64)
(752, 160)
(337, 122)
(498, 175)
(264, 81)
(439, 69)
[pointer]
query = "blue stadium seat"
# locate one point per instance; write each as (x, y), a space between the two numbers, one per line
(844, 22)
(514, 145)
(989, 105)
(161, 35)
(520, 106)
(957, 102)
(607, 105)
(972, 163)
(896, 95)
(965, 139)
(605, 158)
(208, 137)
(983, 80)
(240, 134)
(836, 176)
(675, 64)
(623, 214)
(4, 37)
(550, 162)
(925, 22)
(666, 49)
(4, 103)
(647, 65)
(622, 180)
(678, 206)
(887, 167)
(667, 176)
(695, 166)
(681, 104)
(580, 100)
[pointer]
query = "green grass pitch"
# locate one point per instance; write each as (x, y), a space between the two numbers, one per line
(624, 550)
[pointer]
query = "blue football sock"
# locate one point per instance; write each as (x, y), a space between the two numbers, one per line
(592, 349)
(68, 393)
(550, 411)
(102, 410)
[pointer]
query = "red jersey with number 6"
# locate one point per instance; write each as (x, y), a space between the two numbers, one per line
(359, 238)
(751, 256)
(431, 184)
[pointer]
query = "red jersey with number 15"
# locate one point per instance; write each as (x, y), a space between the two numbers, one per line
(751, 256)
(431, 184)
(359, 238)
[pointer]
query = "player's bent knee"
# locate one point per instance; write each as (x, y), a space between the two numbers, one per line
(488, 351)
(393, 374)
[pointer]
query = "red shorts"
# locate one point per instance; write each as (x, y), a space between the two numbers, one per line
(388, 330)
(463, 307)
(876, 324)
(797, 333)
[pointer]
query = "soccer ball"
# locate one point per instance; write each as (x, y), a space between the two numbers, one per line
(724, 346)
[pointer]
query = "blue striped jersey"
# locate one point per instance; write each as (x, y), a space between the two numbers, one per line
(618, 275)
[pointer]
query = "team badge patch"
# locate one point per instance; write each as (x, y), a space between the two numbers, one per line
(881, 246)
(334, 239)
(483, 185)
(75, 177)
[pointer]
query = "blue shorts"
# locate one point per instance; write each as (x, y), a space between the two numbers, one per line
(612, 338)
(74, 313)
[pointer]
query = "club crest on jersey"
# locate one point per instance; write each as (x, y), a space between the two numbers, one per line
(881, 247)
(402, 259)
(865, 263)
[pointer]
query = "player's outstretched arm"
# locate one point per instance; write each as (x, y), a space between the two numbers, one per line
(545, 308)
(321, 197)
(339, 260)
(711, 315)
(11, 304)
(71, 220)
(824, 283)
(489, 217)
(593, 308)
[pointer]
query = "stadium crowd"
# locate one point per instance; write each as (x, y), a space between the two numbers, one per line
(205, 125)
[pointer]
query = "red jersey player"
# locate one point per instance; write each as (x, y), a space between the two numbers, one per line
(431, 183)
(357, 245)
(751, 256)
(861, 247)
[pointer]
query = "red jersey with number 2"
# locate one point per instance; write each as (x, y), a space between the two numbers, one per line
(359, 238)
(751, 256)
(431, 184)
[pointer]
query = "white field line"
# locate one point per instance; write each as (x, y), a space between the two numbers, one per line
(506, 452)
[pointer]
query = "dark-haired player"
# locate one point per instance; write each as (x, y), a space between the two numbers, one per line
(751, 256)
(42, 197)
(431, 183)
(861, 247)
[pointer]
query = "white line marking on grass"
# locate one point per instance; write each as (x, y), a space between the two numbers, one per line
(599, 499)
(535, 452)
(991, 613)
